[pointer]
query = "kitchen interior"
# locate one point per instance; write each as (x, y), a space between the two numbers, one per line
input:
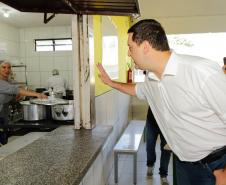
(31, 69)
(113, 109)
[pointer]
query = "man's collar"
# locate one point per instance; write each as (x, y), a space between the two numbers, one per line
(170, 69)
(171, 66)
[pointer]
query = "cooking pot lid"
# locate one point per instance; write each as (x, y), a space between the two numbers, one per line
(50, 101)
(25, 103)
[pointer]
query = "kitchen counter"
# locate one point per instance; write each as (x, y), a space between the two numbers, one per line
(61, 157)
(47, 123)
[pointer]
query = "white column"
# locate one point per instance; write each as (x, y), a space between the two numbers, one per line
(83, 85)
(76, 71)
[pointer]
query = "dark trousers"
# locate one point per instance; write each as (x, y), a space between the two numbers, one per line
(3, 133)
(190, 173)
(152, 132)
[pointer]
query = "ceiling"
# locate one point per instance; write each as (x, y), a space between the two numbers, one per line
(25, 19)
(92, 7)
(21, 16)
(200, 13)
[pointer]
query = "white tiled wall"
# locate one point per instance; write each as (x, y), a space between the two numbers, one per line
(9, 43)
(115, 115)
(40, 64)
(17, 46)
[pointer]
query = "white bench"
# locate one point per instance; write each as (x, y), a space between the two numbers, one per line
(129, 144)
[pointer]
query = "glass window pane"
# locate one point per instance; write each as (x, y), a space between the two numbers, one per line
(110, 48)
(44, 42)
(54, 44)
(44, 48)
(64, 41)
(110, 55)
(63, 48)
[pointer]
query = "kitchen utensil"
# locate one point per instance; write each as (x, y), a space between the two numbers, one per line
(63, 112)
(33, 112)
(49, 101)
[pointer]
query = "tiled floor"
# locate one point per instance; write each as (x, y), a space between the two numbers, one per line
(126, 169)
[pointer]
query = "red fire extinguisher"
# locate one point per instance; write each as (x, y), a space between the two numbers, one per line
(129, 76)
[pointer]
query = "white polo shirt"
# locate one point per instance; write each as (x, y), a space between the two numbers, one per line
(189, 104)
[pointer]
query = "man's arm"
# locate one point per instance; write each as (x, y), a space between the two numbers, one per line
(220, 176)
(123, 87)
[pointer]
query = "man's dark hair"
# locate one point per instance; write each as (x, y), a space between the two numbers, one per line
(151, 31)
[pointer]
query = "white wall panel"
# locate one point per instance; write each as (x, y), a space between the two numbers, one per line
(22, 48)
(9, 42)
(31, 34)
(32, 64)
(89, 178)
(62, 32)
(46, 63)
(30, 49)
(103, 165)
(4, 31)
(44, 76)
(45, 32)
(42, 63)
(34, 79)
(61, 63)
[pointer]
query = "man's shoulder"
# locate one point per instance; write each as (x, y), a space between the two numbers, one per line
(197, 63)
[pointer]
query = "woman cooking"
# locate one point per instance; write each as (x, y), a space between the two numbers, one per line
(9, 91)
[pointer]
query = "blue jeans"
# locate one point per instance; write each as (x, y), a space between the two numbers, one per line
(152, 132)
(189, 173)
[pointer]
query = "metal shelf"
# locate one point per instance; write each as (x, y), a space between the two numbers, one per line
(21, 83)
(22, 65)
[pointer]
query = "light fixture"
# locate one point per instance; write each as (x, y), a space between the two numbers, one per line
(5, 12)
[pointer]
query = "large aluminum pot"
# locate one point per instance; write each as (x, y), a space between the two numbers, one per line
(63, 112)
(33, 112)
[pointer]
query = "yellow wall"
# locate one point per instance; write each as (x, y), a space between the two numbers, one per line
(122, 24)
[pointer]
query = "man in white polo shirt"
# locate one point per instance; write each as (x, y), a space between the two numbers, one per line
(187, 95)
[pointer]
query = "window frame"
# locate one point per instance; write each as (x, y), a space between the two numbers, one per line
(54, 43)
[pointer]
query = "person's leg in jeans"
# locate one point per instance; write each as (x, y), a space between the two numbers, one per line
(151, 137)
(165, 158)
(193, 174)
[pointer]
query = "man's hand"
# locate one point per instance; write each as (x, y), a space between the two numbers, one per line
(123, 87)
(220, 176)
(103, 75)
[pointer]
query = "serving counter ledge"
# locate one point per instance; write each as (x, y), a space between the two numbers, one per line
(61, 157)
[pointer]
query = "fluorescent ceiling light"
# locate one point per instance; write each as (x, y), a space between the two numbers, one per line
(6, 13)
